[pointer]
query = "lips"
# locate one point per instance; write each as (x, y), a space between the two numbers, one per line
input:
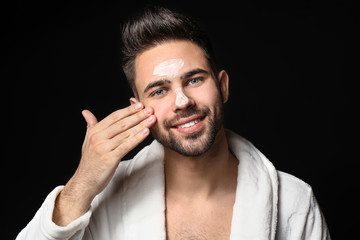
(189, 125)
(187, 122)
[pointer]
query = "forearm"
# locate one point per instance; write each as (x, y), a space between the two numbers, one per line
(71, 203)
(66, 212)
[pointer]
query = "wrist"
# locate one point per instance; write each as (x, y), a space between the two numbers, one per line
(70, 204)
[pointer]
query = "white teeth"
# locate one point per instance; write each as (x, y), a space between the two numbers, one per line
(189, 124)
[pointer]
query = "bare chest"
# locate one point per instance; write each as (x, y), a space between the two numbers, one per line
(206, 222)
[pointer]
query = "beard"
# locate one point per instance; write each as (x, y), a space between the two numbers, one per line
(197, 143)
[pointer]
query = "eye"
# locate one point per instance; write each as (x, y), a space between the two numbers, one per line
(159, 92)
(194, 81)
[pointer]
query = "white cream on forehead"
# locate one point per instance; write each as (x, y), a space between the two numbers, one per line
(181, 98)
(169, 68)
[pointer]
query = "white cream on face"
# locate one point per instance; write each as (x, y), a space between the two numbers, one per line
(168, 68)
(181, 98)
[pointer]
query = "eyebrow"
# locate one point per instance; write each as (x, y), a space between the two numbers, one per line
(193, 72)
(186, 75)
(157, 83)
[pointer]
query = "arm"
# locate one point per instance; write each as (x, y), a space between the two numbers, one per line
(300, 216)
(315, 225)
(106, 143)
(41, 227)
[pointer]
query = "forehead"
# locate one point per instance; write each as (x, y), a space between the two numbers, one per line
(145, 63)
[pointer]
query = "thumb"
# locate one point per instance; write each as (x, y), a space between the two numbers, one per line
(89, 118)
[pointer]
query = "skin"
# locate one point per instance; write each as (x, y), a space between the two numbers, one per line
(200, 189)
(106, 143)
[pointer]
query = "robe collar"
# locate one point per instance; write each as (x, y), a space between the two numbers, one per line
(254, 211)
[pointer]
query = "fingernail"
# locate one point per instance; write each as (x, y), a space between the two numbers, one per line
(147, 111)
(145, 131)
(137, 106)
(151, 118)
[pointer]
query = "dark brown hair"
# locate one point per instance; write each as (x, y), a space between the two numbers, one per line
(154, 26)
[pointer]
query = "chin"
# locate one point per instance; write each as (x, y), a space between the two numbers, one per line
(190, 145)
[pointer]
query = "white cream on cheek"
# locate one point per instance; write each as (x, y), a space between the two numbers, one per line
(168, 68)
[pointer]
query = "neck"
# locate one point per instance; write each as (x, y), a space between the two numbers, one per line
(209, 175)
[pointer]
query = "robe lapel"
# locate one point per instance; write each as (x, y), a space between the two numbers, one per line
(255, 208)
(254, 211)
(143, 196)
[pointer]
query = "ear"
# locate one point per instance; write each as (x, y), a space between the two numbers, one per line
(133, 101)
(224, 85)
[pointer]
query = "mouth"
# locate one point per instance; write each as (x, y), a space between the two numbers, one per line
(189, 125)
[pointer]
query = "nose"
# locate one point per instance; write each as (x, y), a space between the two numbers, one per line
(181, 100)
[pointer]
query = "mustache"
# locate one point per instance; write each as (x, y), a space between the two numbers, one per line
(187, 113)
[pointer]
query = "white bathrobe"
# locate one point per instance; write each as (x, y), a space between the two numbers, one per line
(269, 204)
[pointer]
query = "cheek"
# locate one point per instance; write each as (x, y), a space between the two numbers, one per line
(160, 111)
(208, 96)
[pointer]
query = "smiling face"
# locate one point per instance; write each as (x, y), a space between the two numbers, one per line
(176, 80)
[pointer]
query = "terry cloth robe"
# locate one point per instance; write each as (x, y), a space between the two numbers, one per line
(269, 204)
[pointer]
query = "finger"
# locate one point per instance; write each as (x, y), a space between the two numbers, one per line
(126, 136)
(128, 122)
(120, 151)
(119, 115)
(89, 118)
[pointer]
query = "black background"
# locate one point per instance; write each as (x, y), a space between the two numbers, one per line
(290, 91)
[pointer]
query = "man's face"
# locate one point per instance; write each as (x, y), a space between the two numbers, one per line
(175, 79)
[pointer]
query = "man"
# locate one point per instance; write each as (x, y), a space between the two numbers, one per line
(196, 180)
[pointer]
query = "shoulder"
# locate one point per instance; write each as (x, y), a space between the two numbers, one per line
(295, 195)
(289, 184)
(299, 216)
